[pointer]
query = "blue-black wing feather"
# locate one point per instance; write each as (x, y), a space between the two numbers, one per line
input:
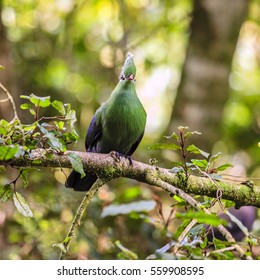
(94, 134)
(74, 180)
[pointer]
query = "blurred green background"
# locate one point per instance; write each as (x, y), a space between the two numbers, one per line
(73, 50)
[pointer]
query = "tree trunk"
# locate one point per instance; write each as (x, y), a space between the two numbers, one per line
(204, 89)
(6, 76)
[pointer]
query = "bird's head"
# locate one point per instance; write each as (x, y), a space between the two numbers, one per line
(128, 71)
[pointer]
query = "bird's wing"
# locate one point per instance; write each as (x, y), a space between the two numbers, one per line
(135, 145)
(94, 132)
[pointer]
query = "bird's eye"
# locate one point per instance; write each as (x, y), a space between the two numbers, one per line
(122, 77)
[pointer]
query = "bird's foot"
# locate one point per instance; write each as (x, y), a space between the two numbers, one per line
(117, 156)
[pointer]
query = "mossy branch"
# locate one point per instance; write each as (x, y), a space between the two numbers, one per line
(107, 167)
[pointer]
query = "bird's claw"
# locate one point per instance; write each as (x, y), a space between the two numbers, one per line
(117, 156)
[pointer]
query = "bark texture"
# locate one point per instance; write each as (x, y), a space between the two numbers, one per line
(107, 167)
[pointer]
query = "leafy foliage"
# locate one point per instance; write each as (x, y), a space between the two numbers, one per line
(49, 133)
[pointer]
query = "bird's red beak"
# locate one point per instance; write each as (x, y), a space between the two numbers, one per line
(131, 77)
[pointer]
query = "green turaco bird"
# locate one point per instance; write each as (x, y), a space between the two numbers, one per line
(118, 125)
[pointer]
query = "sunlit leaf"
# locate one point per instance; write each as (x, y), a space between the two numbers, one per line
(177, 198)
(8, 152)
(21, 205)
(70, 116)
(25, 106)
(202, 163)
(37, 100)
(223, 167)
(3, 127)
(214, 158)
(71, 137)
(190, 133)
(195, 150)
(202, 217)
(58, 105)
(173, 136)
(60, 246)
(30, 127)
(59, 125)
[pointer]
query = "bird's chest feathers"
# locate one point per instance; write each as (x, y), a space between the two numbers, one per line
(124, 120)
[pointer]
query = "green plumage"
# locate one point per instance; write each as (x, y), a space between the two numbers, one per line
(118, 125)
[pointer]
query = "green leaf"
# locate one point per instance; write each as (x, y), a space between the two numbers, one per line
(3, 127)
(177, 198)
(204, 243)
(60, 246)
(202, 217)
(137, 206)
(196, 230)
(181, 228)
(76, 163)
(55, 143)
(165, 146)
(173, 136)
(202, 163)
(26, 106)
(21, 205)
(70, 137)
(59, 125)
(37, 100)
(195, 150)
(58, 105)
(8, 152)
(30, 127)
(223, 167)
(5, 193)
(214, 158)
(190, 133)
(127, 254)
(70, 116)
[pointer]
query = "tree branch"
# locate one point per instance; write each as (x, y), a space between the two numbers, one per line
(107, 168)
(79, 214)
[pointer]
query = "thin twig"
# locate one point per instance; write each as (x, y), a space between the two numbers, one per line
(79, 214)
(196, 205)
(226, 249)
(10, 98)
(183, 235)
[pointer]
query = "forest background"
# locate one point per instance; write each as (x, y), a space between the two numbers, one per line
(198, 65)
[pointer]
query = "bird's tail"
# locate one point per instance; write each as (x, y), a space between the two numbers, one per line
(79, 184)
